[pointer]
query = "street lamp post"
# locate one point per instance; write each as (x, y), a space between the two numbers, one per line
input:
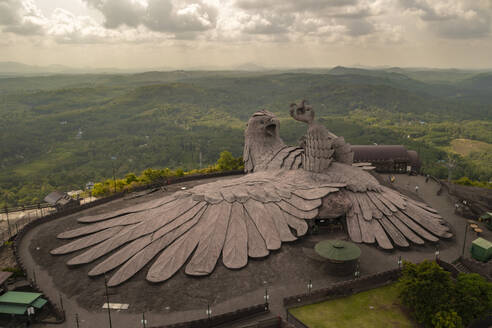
(144, 321)
(209, 312)
(107, 301)
(266, 297)
(357, 271)
(464, 241)
(61, 302)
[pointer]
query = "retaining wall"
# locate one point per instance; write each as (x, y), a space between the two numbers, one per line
(225, 318)
(343, 288)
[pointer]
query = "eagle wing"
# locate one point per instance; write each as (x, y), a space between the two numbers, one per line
(318, 149)
(389, 218)
(378, 214)
(245, 217)
(237, 218)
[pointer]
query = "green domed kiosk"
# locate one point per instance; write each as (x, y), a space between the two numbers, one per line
(341, 256)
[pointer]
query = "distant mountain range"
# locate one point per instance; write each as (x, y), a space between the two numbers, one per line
(14, 69)
(11, 68)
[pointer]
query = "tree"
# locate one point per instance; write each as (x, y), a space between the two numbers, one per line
(447, 319)
(427, 289)
(438, 301)
(131, 177)
(473, 297)
(227, 162)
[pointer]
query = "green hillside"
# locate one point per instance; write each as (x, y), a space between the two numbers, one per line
(61, 131)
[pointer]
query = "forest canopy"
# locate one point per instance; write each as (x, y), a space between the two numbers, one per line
(62, 131)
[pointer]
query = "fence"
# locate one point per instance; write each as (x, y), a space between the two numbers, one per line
(14, 223)
(355, 286)
(226, 318)
(337, 290)
(294, 321)
(23, 208)
(344, 288)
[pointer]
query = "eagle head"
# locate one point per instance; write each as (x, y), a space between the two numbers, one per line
(302, 112)
(263, 124)
(261, 140)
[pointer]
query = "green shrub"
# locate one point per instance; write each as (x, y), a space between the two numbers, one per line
(436, 300)
(445, 319)
(425, 288)
(16, 272)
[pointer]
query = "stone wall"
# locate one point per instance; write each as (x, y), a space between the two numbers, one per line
(479, 200)
(228, 317)
(344, 288)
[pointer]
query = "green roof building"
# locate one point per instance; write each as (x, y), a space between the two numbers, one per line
(341, 256)
(481, 249)
(19, 302)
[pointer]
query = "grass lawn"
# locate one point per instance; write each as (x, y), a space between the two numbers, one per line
(376, 308)
(466, 146)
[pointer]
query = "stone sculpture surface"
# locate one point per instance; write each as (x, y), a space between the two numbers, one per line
(252, 215)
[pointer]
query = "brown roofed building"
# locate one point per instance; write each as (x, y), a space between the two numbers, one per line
(388, 158)
(60, 200)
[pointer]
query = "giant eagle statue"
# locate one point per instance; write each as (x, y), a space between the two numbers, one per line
(284, 188)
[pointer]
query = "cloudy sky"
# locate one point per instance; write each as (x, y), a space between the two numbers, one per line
(226, 33)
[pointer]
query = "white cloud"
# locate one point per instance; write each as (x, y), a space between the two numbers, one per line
(453, 19)
(158, 15)
(22, 18)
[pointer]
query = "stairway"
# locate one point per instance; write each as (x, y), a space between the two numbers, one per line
(461, 268)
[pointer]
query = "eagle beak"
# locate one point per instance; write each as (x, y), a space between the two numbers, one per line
(271, 128)
(292, 111)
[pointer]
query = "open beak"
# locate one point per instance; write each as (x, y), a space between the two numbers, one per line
(271, 128)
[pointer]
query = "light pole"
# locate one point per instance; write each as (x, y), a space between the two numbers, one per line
(107, 301)
(266, 297)
(209, 312)
(144, 321)
(61, 302)
(357, 272)
(464, 241)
